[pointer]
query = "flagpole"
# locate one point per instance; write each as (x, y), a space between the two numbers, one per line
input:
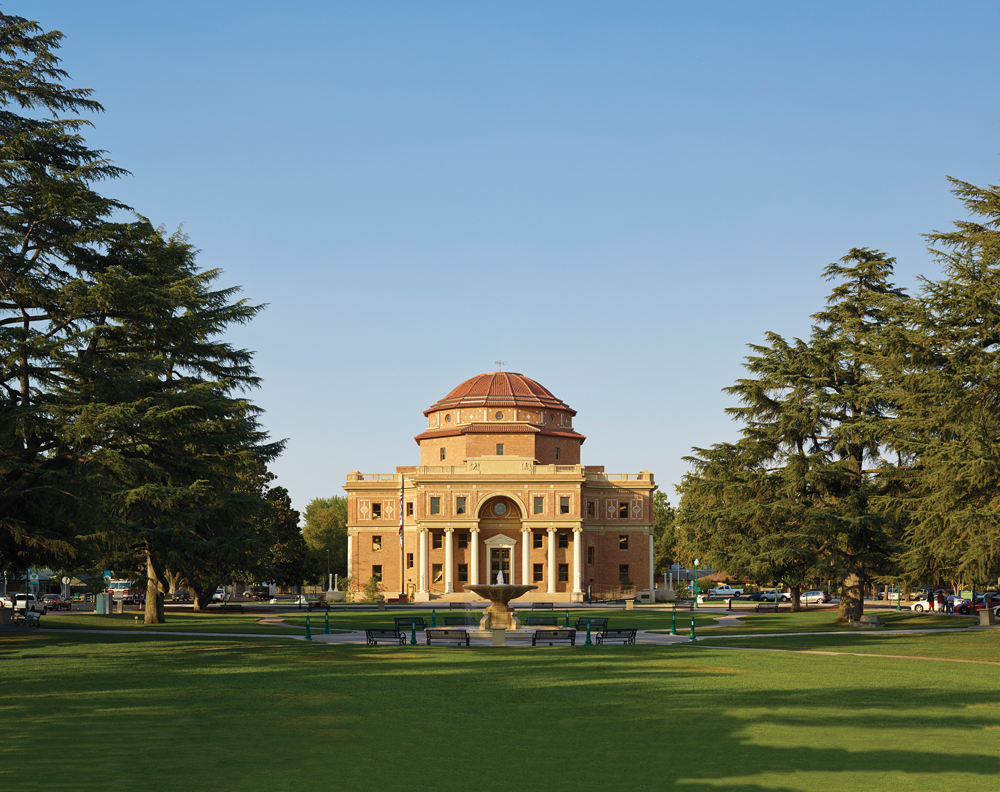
(402, 560)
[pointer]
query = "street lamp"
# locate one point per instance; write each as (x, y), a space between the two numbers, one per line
(696, 587)
(329, 585)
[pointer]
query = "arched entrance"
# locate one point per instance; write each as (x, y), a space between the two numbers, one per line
(500, 519)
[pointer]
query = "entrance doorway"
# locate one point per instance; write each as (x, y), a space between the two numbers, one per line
(499, 562)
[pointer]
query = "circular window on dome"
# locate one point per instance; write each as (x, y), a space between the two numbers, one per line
(500, 509)
(550, 417)
(499, 416)
(447, 418)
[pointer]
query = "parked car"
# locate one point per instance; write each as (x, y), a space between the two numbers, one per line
(815, 597)
(767, 595)
(22, 601)
(966, 608)
(181, 595)
(57, 602)
(219, 595)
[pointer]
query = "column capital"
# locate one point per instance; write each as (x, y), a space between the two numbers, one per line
(423, 528)
(449, 529)
(474, 529)
(551, 529)
(525, 529)
(577, 529)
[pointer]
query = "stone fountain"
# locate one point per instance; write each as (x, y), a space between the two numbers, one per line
(500, 615)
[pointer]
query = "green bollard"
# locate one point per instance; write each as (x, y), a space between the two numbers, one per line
(433, 618)
(326, 623)
(673, 623)
(309, 636)
(692, 628)
(413, 633)
(567, 619)
(588, 642)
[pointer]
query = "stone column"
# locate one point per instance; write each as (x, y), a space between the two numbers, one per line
(652, 578)
(350, 558)
(449, 578)
(577, 595)
(423, 561)
(551, 574)
(525, 556)
(474, 560)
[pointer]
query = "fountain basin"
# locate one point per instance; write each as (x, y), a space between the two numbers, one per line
(499, 615)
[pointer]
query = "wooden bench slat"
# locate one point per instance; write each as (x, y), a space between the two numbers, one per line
(595, 621)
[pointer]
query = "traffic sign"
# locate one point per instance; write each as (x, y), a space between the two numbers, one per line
(67, 580)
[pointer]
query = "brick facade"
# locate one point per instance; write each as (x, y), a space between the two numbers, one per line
(489, 504)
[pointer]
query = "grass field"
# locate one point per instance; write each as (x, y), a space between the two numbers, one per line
(158, 712)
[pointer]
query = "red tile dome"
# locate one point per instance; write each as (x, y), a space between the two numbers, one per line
(500, 389)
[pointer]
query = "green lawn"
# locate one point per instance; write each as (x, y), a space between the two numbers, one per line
(176, 622)
(261, 716)
(826, 621)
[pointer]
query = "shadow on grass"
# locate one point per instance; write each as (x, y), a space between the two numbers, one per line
(433, 718)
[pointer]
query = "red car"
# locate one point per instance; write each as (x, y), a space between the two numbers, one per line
(966, 607)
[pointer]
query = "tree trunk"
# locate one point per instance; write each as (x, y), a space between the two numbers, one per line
(201, 595)
(154, 595)
(796, 598)
(176, 581)
(852, 603)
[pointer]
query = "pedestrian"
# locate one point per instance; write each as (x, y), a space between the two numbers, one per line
(940, 599)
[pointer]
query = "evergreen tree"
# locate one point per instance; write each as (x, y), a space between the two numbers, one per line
(794, 496)
(948, 375)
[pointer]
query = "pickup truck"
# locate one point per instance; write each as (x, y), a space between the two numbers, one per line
(726, 591)
(18, 602)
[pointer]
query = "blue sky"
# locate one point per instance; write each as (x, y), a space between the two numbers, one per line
(614, 198)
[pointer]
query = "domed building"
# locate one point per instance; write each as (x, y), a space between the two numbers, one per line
(500, 488)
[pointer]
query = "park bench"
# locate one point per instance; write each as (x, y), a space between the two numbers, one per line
(552, 637)
(598, 621)
(439, 635)
(616, 636)
(543, 606)
(459, 606)
(28, 619)
(407, 622)
(766, 606)
(231, 608)
(385, 635)
(541, 621)
(318, 604)
(461, 621)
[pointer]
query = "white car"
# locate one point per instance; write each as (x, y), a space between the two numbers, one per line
(19, 601)
(767, 595)
(814, 597)
(219, 595)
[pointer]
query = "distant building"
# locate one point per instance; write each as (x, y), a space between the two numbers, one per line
(499, 488)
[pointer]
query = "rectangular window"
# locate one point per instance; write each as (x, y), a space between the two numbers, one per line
(409, 508)
(564, 540)
(537, 541)
(443, 454)
(499, 449)
(437, 540)
(564, 572)
(377, 572)
(564, 505)
(557, 454)
(623, 510)
(463, 573)
(376, 543)
(623, 542)
(623, 574)
(590, 555)
(463, 540)
(590, 508)
(437, 573)
(435, 505)
(459, 505)
(409, 560)
(539, 506)
(537, 573)
(376, 511)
